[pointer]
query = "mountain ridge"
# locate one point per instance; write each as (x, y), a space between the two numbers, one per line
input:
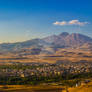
(63, 40)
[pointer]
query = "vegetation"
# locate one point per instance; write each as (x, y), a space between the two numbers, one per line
(34, 80)
(44, 76)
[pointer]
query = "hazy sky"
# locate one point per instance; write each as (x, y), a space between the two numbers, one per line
(26, 19)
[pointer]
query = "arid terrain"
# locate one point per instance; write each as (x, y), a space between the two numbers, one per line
(18, 88)
(63, 47)
(61, 63)
(63, 55)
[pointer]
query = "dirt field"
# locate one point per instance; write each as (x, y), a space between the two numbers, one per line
(18, 88)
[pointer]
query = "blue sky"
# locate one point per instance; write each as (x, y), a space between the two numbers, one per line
(27, 19)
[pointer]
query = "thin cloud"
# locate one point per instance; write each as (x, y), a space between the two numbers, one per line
(71, 22)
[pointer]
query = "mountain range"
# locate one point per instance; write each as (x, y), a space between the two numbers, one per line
(49, 44)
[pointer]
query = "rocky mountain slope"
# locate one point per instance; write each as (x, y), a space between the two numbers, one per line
(49, 44)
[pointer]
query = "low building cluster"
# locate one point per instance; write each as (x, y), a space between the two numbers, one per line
(45, 69)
